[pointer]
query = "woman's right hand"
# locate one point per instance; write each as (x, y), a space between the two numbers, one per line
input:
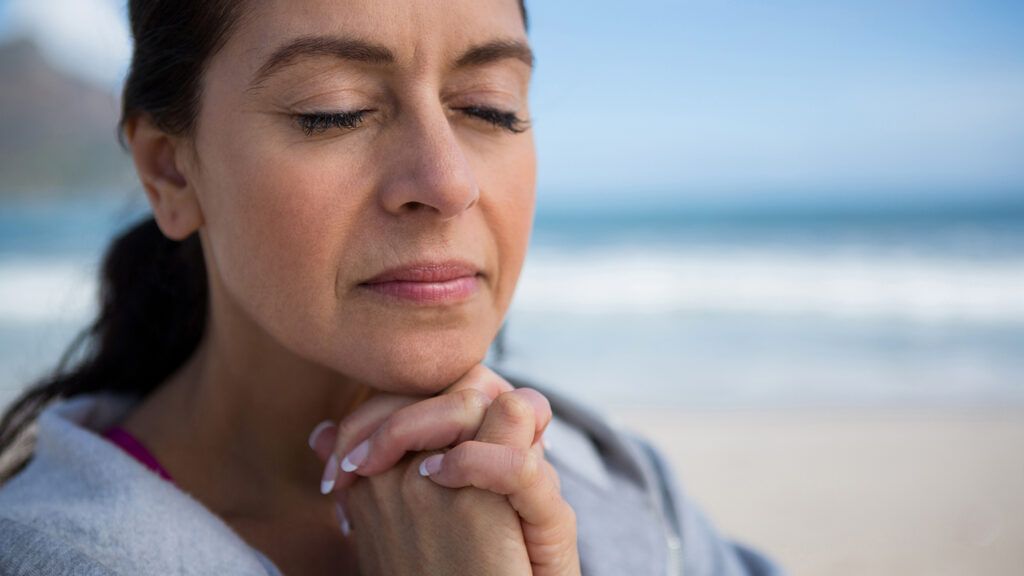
(417, 526)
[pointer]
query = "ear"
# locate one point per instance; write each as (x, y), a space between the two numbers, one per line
(159, 160)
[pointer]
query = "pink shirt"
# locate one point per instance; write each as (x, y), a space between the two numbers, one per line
(135, 449)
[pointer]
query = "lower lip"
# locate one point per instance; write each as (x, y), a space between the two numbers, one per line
(448, 292)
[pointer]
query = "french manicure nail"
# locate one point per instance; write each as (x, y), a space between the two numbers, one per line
(356, 457)
(316, 432)
(330, 475)
(431, 464)
(346, 528)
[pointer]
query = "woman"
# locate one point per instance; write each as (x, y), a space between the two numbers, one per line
(342, 197)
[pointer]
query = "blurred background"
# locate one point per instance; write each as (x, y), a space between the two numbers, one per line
(785, 240)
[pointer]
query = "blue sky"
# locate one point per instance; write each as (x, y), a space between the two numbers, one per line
(729, 98)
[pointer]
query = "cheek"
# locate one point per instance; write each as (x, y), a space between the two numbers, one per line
(280, 227)
(281, 239)
(510, 213)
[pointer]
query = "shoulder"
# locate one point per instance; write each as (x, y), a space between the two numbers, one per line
(704, 549)
(633, 513)
(83, 494)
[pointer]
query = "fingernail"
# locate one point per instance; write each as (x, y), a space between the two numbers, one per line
(346, 528)
(356, 457)
(317, 431)
(330, 475)
(431, 464)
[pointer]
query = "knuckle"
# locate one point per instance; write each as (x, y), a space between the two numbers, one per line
(537, 399)
(389, 432)
(527, 467)
(474, 400)
(569, 521)
(513, 408)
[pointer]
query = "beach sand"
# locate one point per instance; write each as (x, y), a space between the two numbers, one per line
(856, 491)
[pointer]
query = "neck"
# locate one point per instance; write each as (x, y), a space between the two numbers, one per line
(232, 424)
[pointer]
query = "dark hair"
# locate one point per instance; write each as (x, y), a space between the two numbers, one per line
(153, 290)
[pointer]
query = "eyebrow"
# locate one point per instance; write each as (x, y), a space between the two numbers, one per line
(376, 54)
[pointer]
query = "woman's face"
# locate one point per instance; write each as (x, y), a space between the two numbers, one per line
(298, 212)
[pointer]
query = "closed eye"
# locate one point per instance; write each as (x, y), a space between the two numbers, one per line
(318, 122)
(500, 118)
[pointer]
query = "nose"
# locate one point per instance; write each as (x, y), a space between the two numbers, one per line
(429, 169)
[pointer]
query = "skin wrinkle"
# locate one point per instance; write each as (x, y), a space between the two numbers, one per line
(364, 52)
(353, 49)
(290, 225)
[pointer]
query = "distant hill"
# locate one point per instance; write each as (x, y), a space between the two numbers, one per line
(58, 134)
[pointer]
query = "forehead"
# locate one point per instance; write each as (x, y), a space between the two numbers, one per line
(418, 33)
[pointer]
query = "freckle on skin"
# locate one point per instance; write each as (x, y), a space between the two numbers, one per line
(283, 213)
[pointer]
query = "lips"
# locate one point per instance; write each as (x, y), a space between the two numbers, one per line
(426, 272)
(427, 283)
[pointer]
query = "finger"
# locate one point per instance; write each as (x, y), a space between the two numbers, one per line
(518, 473)
(354, 431)
(323, 437)
(486, 379)
(341, 512)
(548, 522)
(356, 426)
(482, 378)
(360, 422)
(453, 416)
(549, 469)
(434, 423)
(370, 414)
(515, 418)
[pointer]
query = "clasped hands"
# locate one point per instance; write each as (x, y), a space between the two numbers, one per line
(455, 483)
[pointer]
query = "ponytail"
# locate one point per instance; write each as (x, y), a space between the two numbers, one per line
(153, 291)
(152, 312)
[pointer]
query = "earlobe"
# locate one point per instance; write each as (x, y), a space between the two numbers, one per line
(170, 193)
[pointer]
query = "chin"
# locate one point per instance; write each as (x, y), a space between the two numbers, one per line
(421, 368)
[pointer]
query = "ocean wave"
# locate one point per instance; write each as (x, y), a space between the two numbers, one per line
(897, 286)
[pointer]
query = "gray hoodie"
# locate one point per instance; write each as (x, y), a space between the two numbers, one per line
(84, 507)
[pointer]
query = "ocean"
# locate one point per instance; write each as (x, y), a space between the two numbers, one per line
(668, 304)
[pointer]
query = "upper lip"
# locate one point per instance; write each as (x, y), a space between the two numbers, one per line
(426, 271)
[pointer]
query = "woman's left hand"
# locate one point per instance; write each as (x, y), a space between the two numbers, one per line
(496, 431)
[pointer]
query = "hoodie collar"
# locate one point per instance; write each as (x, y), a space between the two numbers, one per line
(82, 488)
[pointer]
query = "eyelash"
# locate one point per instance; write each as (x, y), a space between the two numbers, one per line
(505, 120)
(319, 122)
